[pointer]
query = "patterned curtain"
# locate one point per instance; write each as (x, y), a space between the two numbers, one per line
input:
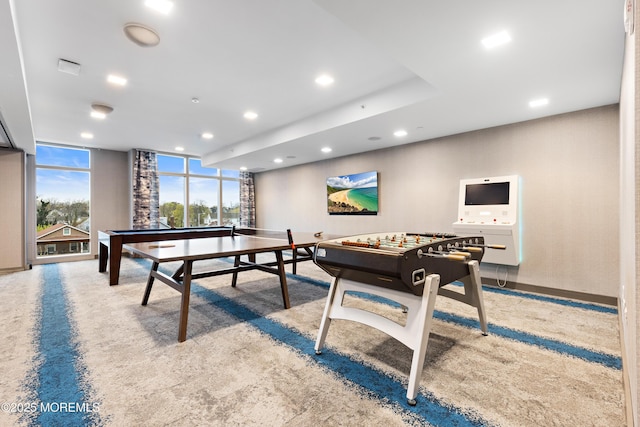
(247, 200)
(146, 198)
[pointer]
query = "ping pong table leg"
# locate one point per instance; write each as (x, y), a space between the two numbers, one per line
(178, 273)
(283, 279)
(294, 254)
(184, 306)
(103, 256)
(115, 257)
(236, 264)
(147, 291)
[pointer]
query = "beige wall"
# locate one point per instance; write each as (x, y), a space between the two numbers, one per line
(110, 198)
(569, 169)
(12, 212)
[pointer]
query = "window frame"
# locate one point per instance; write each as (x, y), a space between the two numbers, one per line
(219, 176)
(50, 254)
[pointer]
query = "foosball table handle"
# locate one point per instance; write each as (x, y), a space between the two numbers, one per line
(503, 247)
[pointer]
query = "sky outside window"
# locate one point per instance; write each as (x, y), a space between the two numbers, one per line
(47, 155)
(171, 164)
(58, 184)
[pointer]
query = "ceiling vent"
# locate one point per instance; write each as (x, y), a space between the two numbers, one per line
(68, 67)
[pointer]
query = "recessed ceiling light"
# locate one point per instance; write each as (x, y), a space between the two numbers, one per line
(86, 135)
(326, 149)
(162, 6)
(538, 102)
(250, 115)
(179, 148)
(400, 133)
(496, 40)
(141, 34)
(98, 115)
(243, 168)
(116, 80)
(207, 135)
(324, 80)
(195, 100)
(277, 160)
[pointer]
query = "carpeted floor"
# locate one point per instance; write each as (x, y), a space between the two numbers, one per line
(79, 352)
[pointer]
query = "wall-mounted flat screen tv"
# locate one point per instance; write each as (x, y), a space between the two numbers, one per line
(355, 194)
(494, 193)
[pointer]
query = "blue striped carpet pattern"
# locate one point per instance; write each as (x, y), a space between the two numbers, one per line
(59, 389)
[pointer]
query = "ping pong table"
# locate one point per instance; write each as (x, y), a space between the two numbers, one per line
(236, 245)
(110, 243)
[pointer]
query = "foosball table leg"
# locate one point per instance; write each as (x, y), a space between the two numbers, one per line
(477, 295)
(326, 320)
(423, 318)
(414, 334)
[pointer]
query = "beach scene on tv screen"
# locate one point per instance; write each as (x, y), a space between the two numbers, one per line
(353, 194)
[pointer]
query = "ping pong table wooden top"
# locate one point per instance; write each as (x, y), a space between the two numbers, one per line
(219, 247)
(110, 243)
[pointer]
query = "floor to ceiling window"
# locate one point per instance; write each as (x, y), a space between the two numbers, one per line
(195, 196)
(63, 177)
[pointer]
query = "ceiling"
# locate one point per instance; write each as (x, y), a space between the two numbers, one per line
(416, 65)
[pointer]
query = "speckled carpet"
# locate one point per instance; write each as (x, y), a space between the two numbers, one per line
(79, 352)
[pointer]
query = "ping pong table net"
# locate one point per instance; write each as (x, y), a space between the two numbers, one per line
(263, 233)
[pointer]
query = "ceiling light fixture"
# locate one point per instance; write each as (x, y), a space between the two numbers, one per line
(116, 80)
(86, 135)
(324, 80)
(326, 149)
(162, 6)
(207, 135)
(100, 111)
(400, 133)
(179, 148)
(496, 40)
(538, 102)
(141, 34)
(277, 160)
(243, 168)
(101, 108)
(250, 115)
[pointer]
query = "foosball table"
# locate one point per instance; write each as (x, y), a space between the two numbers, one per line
(408, 268)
